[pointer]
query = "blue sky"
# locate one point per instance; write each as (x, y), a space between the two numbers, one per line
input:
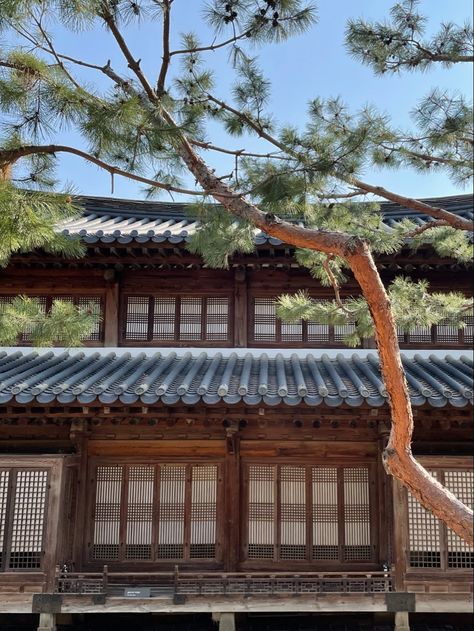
(311, 65)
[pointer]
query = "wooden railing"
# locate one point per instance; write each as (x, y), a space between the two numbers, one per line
(179, 585)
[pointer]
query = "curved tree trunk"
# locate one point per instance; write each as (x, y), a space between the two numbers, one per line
(398, 458)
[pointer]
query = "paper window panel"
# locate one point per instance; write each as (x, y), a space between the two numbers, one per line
(325, 514)
(190, 321)
(461, 484)
(262, 497)
(203, 512)
(291, 332)
(106, 539)
(317, 333)
(139, 529)
(164, 318)
(136, 326)
(469, 329)
(356, 515)
(171, 512)
(418, 335)
(29, 512)
(424, 535)
(341, 330)
(292, 513)
(264, 320)
(217, 319)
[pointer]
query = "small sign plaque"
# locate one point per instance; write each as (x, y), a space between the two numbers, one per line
(137, 592)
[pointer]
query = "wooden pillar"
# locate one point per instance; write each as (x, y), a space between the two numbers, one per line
(47, 622)
(111, 311)
(79, 437)
(402, 622)
(226, 621)
(52, 545)
(400, 534)
(240, 309)
(384, 488)
(232, 499)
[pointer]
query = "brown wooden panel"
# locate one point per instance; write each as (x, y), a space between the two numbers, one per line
(160, 449)
(301, 449)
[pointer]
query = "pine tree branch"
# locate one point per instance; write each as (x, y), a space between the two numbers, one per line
(427, 226)
(133, 63)
(238, 152)
(9, 156)
(160, 86)
(211, 47)
(335, 285)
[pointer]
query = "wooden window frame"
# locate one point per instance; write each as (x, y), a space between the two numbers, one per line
(176, 341)
(310, 564)
(50, 542)
(155, 560)
(441, 465)
(331, 342)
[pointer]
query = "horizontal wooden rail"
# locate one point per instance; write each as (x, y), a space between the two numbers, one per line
(179, 584)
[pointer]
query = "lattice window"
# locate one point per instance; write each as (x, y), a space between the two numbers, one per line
(292, 512)
(267, 328)
(162, 512)
(265, 320)
(107, 513)
(171, 515)
(138, 540)
(298, 513)
(325, 514)
(23, 508)
(424, 535)
(460, 554)
(177, 319)
(46, 302)
(356, 515)
(203, 512)
(262, 496)
(432, 543)
(136, 319)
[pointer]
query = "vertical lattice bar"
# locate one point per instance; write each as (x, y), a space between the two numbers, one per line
(106, 540)
(264, 327)
(190, 319)
(424, 535)
(136, 324)
(203, 512)
(325, 514)
(292, 512)
(139, 520)
(4, 482)
(164, 317)
(461, 483)
(29, 516)
(217, 321)
(357, 545)
(261, 512)
(171, 512)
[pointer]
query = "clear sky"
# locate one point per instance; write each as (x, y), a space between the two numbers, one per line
(311, 65)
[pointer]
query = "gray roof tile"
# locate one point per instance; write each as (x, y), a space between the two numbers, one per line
(109, 220)
(149, 377)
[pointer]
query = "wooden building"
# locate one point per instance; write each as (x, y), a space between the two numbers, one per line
(198, 456)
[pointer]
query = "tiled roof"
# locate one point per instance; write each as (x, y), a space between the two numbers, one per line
(252, 378)
(108, 220)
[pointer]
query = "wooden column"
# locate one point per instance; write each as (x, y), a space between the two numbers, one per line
(240, 309)
(402, 622)
(232, 499)
(79, 437)
(385, 518)
(111, 311)
(400, 534)
(47, 622)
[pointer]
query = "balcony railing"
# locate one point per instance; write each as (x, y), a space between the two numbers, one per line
(179, 585)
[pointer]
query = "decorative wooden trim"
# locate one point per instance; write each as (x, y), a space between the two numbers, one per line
(111, 314)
